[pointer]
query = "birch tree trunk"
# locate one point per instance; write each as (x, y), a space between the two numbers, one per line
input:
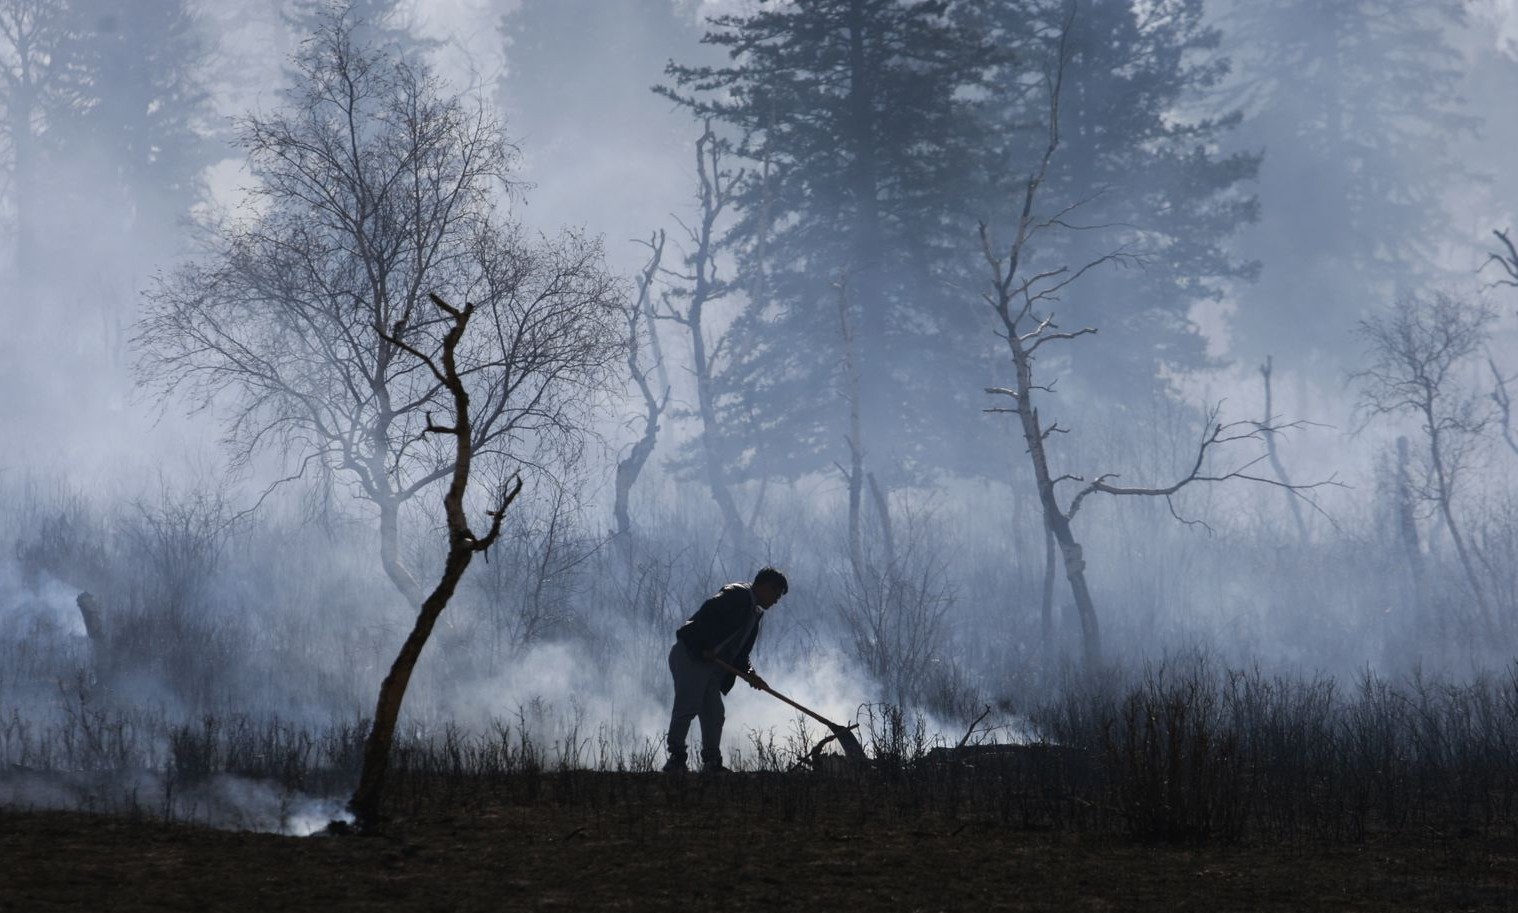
(854, 474)
(1275, 457)
(1058, 524)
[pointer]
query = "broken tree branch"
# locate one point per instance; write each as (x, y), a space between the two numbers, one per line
(1506, 260)
(1217, 435)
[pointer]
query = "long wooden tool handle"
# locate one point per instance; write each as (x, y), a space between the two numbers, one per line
(806, 710)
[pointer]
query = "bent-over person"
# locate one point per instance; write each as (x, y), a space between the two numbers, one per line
(725, 627)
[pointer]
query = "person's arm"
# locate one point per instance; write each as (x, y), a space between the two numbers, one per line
(747, 660)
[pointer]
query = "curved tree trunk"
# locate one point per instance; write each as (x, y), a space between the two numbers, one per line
(365, 804)
(641, 312)
(628, 471)
(390, 555)
(462, 546)
(1462, 552)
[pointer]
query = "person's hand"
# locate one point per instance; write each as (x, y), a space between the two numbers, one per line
(755, 681)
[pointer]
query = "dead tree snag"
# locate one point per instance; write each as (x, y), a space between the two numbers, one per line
(463, 545)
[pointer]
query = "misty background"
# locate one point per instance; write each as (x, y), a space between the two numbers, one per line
(1278, 177)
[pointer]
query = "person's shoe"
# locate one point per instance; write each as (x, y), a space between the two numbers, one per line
(715, 767)
(674, 766)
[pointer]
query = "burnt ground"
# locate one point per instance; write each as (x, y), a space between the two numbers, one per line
(772, 842)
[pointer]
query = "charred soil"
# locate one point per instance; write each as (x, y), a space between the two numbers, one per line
(580, 840)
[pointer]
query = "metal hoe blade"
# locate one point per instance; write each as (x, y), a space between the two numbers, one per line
(844, 734)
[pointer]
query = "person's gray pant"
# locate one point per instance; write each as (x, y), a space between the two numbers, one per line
(698, 693)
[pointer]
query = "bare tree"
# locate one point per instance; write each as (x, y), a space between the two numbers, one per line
(895, 608)
(1417, 351)
(697, 287)
(448, 367)
(308, 320)
(529, 590)
(1021, 298)
(375, 187)
(1506, 259)
(639, 324)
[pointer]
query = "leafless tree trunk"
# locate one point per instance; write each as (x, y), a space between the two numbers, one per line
(882, 504)
(1275, 457)
(1416, 351)
(1022, 344)
(865, 281)
(701, 286)
(1444, 487)
(1407, 520)
(390, 550)
(854, 474)
(646, 280)
(639, 322)
(1046, 602)
(1014, 296)
(463, 545)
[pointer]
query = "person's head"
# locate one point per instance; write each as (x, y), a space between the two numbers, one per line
(769, 586)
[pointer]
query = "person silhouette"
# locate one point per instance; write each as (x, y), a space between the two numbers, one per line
(725, 628)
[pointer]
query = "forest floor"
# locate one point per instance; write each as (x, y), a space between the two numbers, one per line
(750, 841)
